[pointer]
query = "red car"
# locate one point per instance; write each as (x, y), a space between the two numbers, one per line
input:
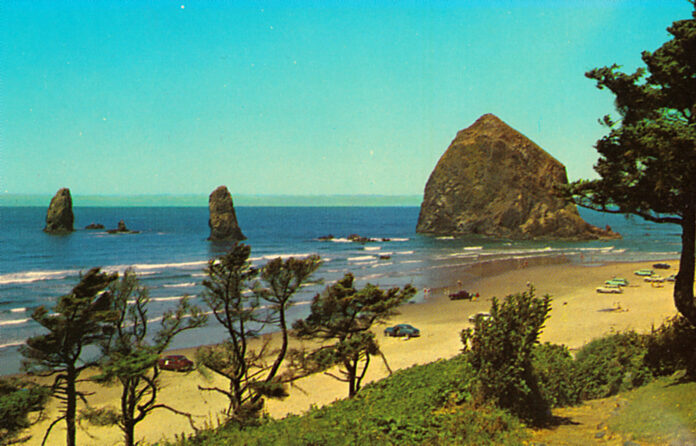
(178, 363)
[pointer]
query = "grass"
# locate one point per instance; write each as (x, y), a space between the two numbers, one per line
(662, 412)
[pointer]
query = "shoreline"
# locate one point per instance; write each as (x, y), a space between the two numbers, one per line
(578, 315)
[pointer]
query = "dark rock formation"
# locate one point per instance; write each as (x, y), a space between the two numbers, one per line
(93, 226)
(494, 181)
(121, 229)
(223, 220)
(59, 217)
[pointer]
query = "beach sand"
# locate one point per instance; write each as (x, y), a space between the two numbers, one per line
(579, 314)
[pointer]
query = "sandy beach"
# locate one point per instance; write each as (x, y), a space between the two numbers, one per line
(579, 314)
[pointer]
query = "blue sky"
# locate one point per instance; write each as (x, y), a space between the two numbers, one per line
(165, 97)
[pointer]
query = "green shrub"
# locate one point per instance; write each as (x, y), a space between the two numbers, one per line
(555, 369)
(612, 364)
(500, 350)
(100, 416)
(17, 399)
(672, 347)
(428, 404)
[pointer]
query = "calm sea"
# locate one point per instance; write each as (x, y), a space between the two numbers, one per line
(171, 250)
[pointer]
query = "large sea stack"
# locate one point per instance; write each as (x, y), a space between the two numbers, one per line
(494, 181)
(223, 220)
(59, 217)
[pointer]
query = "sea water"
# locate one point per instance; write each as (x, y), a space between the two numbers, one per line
(171, 250)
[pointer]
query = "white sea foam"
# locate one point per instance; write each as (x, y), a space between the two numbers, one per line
(445, 237)
(18, 310)
(180, 285)
(341, 240)
(473, 248)
(411, 261)
(165, 299)
(361, 258)
(397, 239)
(11, 344)
(35, 276)
(372, 248)
(404, 252)
(14, 322)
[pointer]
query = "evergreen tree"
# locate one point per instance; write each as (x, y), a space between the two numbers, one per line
(80, 319)
(245, 308)
(341, 318)
(130, 357)
(647, 162)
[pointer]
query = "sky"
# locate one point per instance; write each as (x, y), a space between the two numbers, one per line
(298, 97)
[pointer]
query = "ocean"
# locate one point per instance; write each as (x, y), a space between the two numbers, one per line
(170, 252)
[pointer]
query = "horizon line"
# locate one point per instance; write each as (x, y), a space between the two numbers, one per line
(201, 200)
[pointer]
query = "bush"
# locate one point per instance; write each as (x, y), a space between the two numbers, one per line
(672, 347)
(556, 372)
(100, 416)
(17, 399)
(612, 364)
(500, 350)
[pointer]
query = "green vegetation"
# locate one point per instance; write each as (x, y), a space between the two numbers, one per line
(648, 160)
(341, 317)
(80, 319)
(663, 412)
(500, 350)
(17, 399)
(426, 404)
(245, 315)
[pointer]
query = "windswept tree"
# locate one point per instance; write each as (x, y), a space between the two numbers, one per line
(341, 318)
(246, 308)
(131, 352)
(80, 319)
(647, 162)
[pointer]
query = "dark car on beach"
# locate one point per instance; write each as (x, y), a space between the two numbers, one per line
(177, 363)
(409, 331)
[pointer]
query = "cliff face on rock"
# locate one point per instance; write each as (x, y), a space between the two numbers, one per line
(223, 220)
(494, 181)
(59, 217)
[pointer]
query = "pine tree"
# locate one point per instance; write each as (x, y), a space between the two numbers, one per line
(341, 318)
(246, 308)
(130, 356)
(80, 319)
(647, 162)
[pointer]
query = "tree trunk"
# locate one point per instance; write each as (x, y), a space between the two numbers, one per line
(129, 433)
(70, 405)
(684, 283)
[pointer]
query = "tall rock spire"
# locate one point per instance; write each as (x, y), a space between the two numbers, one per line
(223, 220)
(59, 217)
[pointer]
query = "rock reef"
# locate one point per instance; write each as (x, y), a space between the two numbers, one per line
(494, 181)
(223, 220)
(59, 217)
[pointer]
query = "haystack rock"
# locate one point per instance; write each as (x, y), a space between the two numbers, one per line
(494, 181)
(59, 217)
(223, 220)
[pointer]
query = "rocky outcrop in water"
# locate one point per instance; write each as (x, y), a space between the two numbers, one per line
(494, 181)
(94, 226)
(60, 217)
(223, 220)
(121, 228)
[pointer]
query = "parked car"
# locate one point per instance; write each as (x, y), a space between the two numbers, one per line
(398, 330)
(463, 295)
(177, 363)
